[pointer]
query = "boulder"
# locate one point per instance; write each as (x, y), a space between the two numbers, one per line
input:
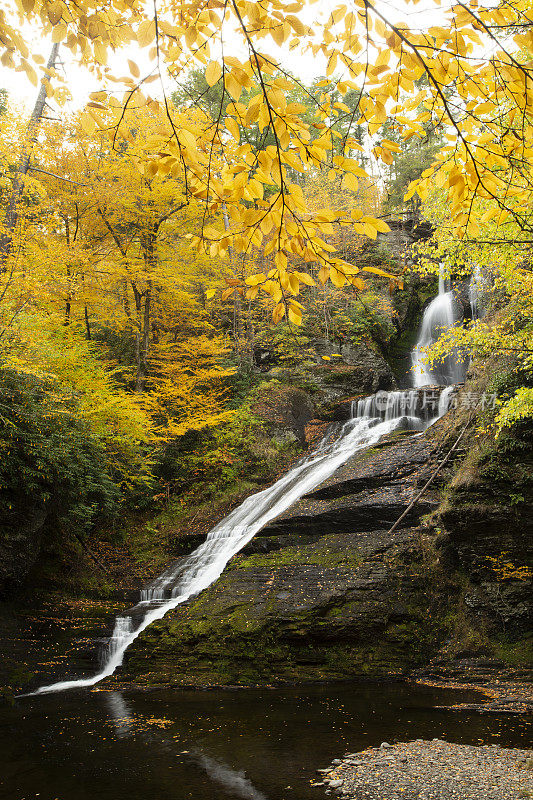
(284, 410)
(344, 369)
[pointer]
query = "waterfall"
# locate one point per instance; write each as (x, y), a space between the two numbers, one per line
(372, 419)
(475, 290)
(445, 400)
(441, 313)
(412, 408)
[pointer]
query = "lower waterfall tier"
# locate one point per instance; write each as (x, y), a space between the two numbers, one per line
(325, 592)
(322, 592)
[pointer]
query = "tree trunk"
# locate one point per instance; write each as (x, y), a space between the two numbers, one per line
(69, 293)
(140, 375)
(143, 306)
(12, 211)
(87, 324)
(145, 338)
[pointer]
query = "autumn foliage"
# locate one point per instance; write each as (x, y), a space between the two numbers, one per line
(146, 240)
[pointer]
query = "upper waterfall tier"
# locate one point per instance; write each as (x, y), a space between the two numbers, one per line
(475, 293)
(442, 313)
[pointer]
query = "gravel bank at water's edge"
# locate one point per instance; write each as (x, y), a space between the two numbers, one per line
(436, 770)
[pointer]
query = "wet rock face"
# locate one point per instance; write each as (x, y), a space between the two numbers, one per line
(331, 595)
(352, 369)
(494, 549)
(487, 525)
(368, 493)
(326, 592)
(285, 411)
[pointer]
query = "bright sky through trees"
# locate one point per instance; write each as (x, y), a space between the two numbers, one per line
(406, 73)
(305, 66)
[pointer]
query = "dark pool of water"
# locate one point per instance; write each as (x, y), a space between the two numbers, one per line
(218, 745)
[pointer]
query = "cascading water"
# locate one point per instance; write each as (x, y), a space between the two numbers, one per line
(445, 399)
(475, 292)
(372, 419)
(408, 407)
(441, 313)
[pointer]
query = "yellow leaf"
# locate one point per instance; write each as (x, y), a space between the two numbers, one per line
(232, 86)
(370, 231)
(213, 73)
(87, 124)
(295, 316)
(278, 34)
(210, 293)
(377, 271)
(266, 225)
(100, 52)
(280, 260)
(337, 278)
(349, 181)
(59, 32)
(146, 33)
(294, 284)
(304, 277)
(253, 280)
(134, 69)
(323, 274)
(380, 225)
(55, 12)
(233, 128)
(390, 145)
(279, 312)
(151, 169)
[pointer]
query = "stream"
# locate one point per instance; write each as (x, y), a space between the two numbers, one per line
(262, 744)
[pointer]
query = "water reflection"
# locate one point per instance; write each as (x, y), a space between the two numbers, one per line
(233, 781)
(218, 745)
(121, 714)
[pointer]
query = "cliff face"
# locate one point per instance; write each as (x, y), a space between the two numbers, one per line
(486, 523)
(326, 592)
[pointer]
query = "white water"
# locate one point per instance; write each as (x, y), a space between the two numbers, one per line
(407, 406)
(191, 575)
(475, 291)
(440, 314)
(445, 400)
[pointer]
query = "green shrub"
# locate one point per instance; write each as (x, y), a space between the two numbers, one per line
(48, 458)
